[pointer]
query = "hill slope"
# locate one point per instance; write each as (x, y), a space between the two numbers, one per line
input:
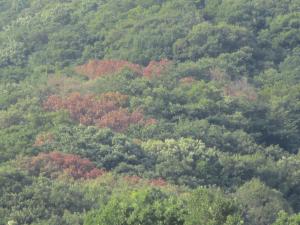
(149, 112)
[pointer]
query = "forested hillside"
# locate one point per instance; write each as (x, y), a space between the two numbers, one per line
(149, 112)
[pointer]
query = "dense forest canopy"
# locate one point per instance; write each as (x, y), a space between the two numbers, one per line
(153, 112)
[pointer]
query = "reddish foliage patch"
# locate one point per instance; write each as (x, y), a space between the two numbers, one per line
(158, 182)
(83, 108)
(104, 111)
(150, 122)
(53, 103)
(116, 97)
(133, 180)
(119, 120)
(187, 80)
(54, 164)
(156, 69)
(42, 139)
(99, 68)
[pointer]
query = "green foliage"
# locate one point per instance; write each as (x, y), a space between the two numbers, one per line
(45, 201)
(185, 161)
(261, 204)
(206, 39)
(145, 206)
(21, 123)
(106, 149)
(282, 34)
(211, 206)
(285, 219)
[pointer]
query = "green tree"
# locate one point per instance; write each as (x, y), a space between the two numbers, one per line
(286, 219)
(206, 39)
(143, 206)
(184, 161)
(209, 206)
(261, 203)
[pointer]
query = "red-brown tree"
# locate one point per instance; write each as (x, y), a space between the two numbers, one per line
(156, 69)
(187, 80)
(151, 121)
(105, 110)
(43, 138)
(159, 182)
(56, 164)
(135, 180)
(119, 120)
(99, 68)
(116, 97)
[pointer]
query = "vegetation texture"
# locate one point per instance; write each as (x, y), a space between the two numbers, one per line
(149, 112)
